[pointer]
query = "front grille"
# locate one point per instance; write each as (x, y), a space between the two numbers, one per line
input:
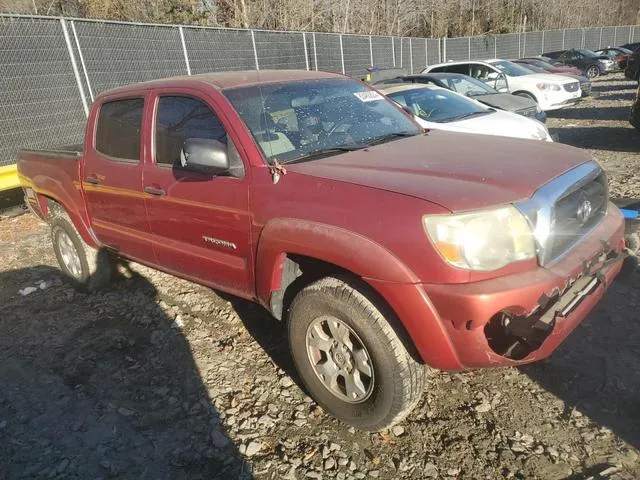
(572, 87)
(528, 112)
(577, 212)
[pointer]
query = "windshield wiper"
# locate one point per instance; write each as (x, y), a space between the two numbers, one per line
(323, 152)
(390, 137)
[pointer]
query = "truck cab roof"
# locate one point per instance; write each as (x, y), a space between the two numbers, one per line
(225, 80)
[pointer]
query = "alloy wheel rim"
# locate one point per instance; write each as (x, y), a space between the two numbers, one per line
(69, 254)
(593, 71)
(339, 359)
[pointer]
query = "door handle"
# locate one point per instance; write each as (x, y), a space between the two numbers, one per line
(154, 191)
(93, 180)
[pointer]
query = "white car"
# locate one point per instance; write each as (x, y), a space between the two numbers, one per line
(551, 91)
(440, 109)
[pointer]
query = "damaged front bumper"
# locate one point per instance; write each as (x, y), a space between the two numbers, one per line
(523, 317)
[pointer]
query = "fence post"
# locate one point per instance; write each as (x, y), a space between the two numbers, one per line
(426, 53)
(495, 46)
(255, 51)
(306, 52)
(371, 50)
(582, 42)
(519, 44)
(401, 46)
(184, 50)
(564, 31)
(393, 50)
(74, 65)
(342, 54)
(600, 45)
(410, 55)
(615, 35)
(84, 67)
(523, 52)
(542, 51)
(315, 52)
(631, 28)
(444, 50)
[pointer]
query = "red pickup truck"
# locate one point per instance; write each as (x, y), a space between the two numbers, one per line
(383, 247)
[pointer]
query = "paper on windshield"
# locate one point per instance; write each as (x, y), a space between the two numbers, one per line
(368, 96)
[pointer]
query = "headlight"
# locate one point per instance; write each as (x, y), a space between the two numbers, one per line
(483, 241)
(548, 87)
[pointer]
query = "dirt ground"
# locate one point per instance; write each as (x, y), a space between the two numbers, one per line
(158, 378)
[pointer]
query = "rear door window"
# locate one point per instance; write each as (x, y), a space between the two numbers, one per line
(118, 130)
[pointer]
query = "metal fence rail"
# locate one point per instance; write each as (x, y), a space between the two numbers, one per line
(51, 69)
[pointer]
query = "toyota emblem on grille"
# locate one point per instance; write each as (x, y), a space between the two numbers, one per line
(584, 212)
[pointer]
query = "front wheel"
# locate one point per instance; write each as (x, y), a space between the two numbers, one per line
(593, 71)
(349, 355)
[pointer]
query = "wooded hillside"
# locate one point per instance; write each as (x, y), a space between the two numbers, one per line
(430, 18)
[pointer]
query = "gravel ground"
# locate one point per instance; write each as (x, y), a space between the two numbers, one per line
(159, 378)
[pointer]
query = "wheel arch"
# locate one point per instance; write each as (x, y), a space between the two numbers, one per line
(50, 206)
(287, 247)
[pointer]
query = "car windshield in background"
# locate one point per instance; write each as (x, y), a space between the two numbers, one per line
(314, 118)
(587, 53)
(537, 63)
(511, 69)
(438, 105)
(533, 68)
(468, 86)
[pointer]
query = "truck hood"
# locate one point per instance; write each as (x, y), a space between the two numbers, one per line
(457, 171)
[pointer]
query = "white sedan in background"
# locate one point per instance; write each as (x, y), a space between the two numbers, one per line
(550, 91)
(440, 109)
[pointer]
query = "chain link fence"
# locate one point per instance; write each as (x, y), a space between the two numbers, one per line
(51, 69)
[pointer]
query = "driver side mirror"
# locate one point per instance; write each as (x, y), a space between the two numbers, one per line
(204, 155)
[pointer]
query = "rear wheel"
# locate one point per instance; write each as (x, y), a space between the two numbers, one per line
(593, 71)
(87, 268)
(349, 356)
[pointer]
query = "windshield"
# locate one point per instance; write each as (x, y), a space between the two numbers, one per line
(438, 105)
(299, 119)
(626, 51)
(587, 53)
(468, 86)
(511, 69)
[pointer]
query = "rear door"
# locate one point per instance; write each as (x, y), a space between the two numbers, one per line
(200, 224)
(112, 177)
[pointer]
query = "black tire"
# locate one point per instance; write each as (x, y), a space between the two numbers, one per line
(95, 266)
(398, 378)
(526, 95)
(593, 71)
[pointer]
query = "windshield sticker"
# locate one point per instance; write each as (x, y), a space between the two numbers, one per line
(368, 96)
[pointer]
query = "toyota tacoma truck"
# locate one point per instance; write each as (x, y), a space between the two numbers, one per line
(381, 246)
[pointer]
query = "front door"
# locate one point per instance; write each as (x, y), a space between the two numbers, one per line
(112, 179)
(200, 224)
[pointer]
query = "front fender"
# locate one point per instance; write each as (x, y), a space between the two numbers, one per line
(376, 265)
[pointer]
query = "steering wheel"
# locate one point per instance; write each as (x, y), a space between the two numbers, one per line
(333, 129)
